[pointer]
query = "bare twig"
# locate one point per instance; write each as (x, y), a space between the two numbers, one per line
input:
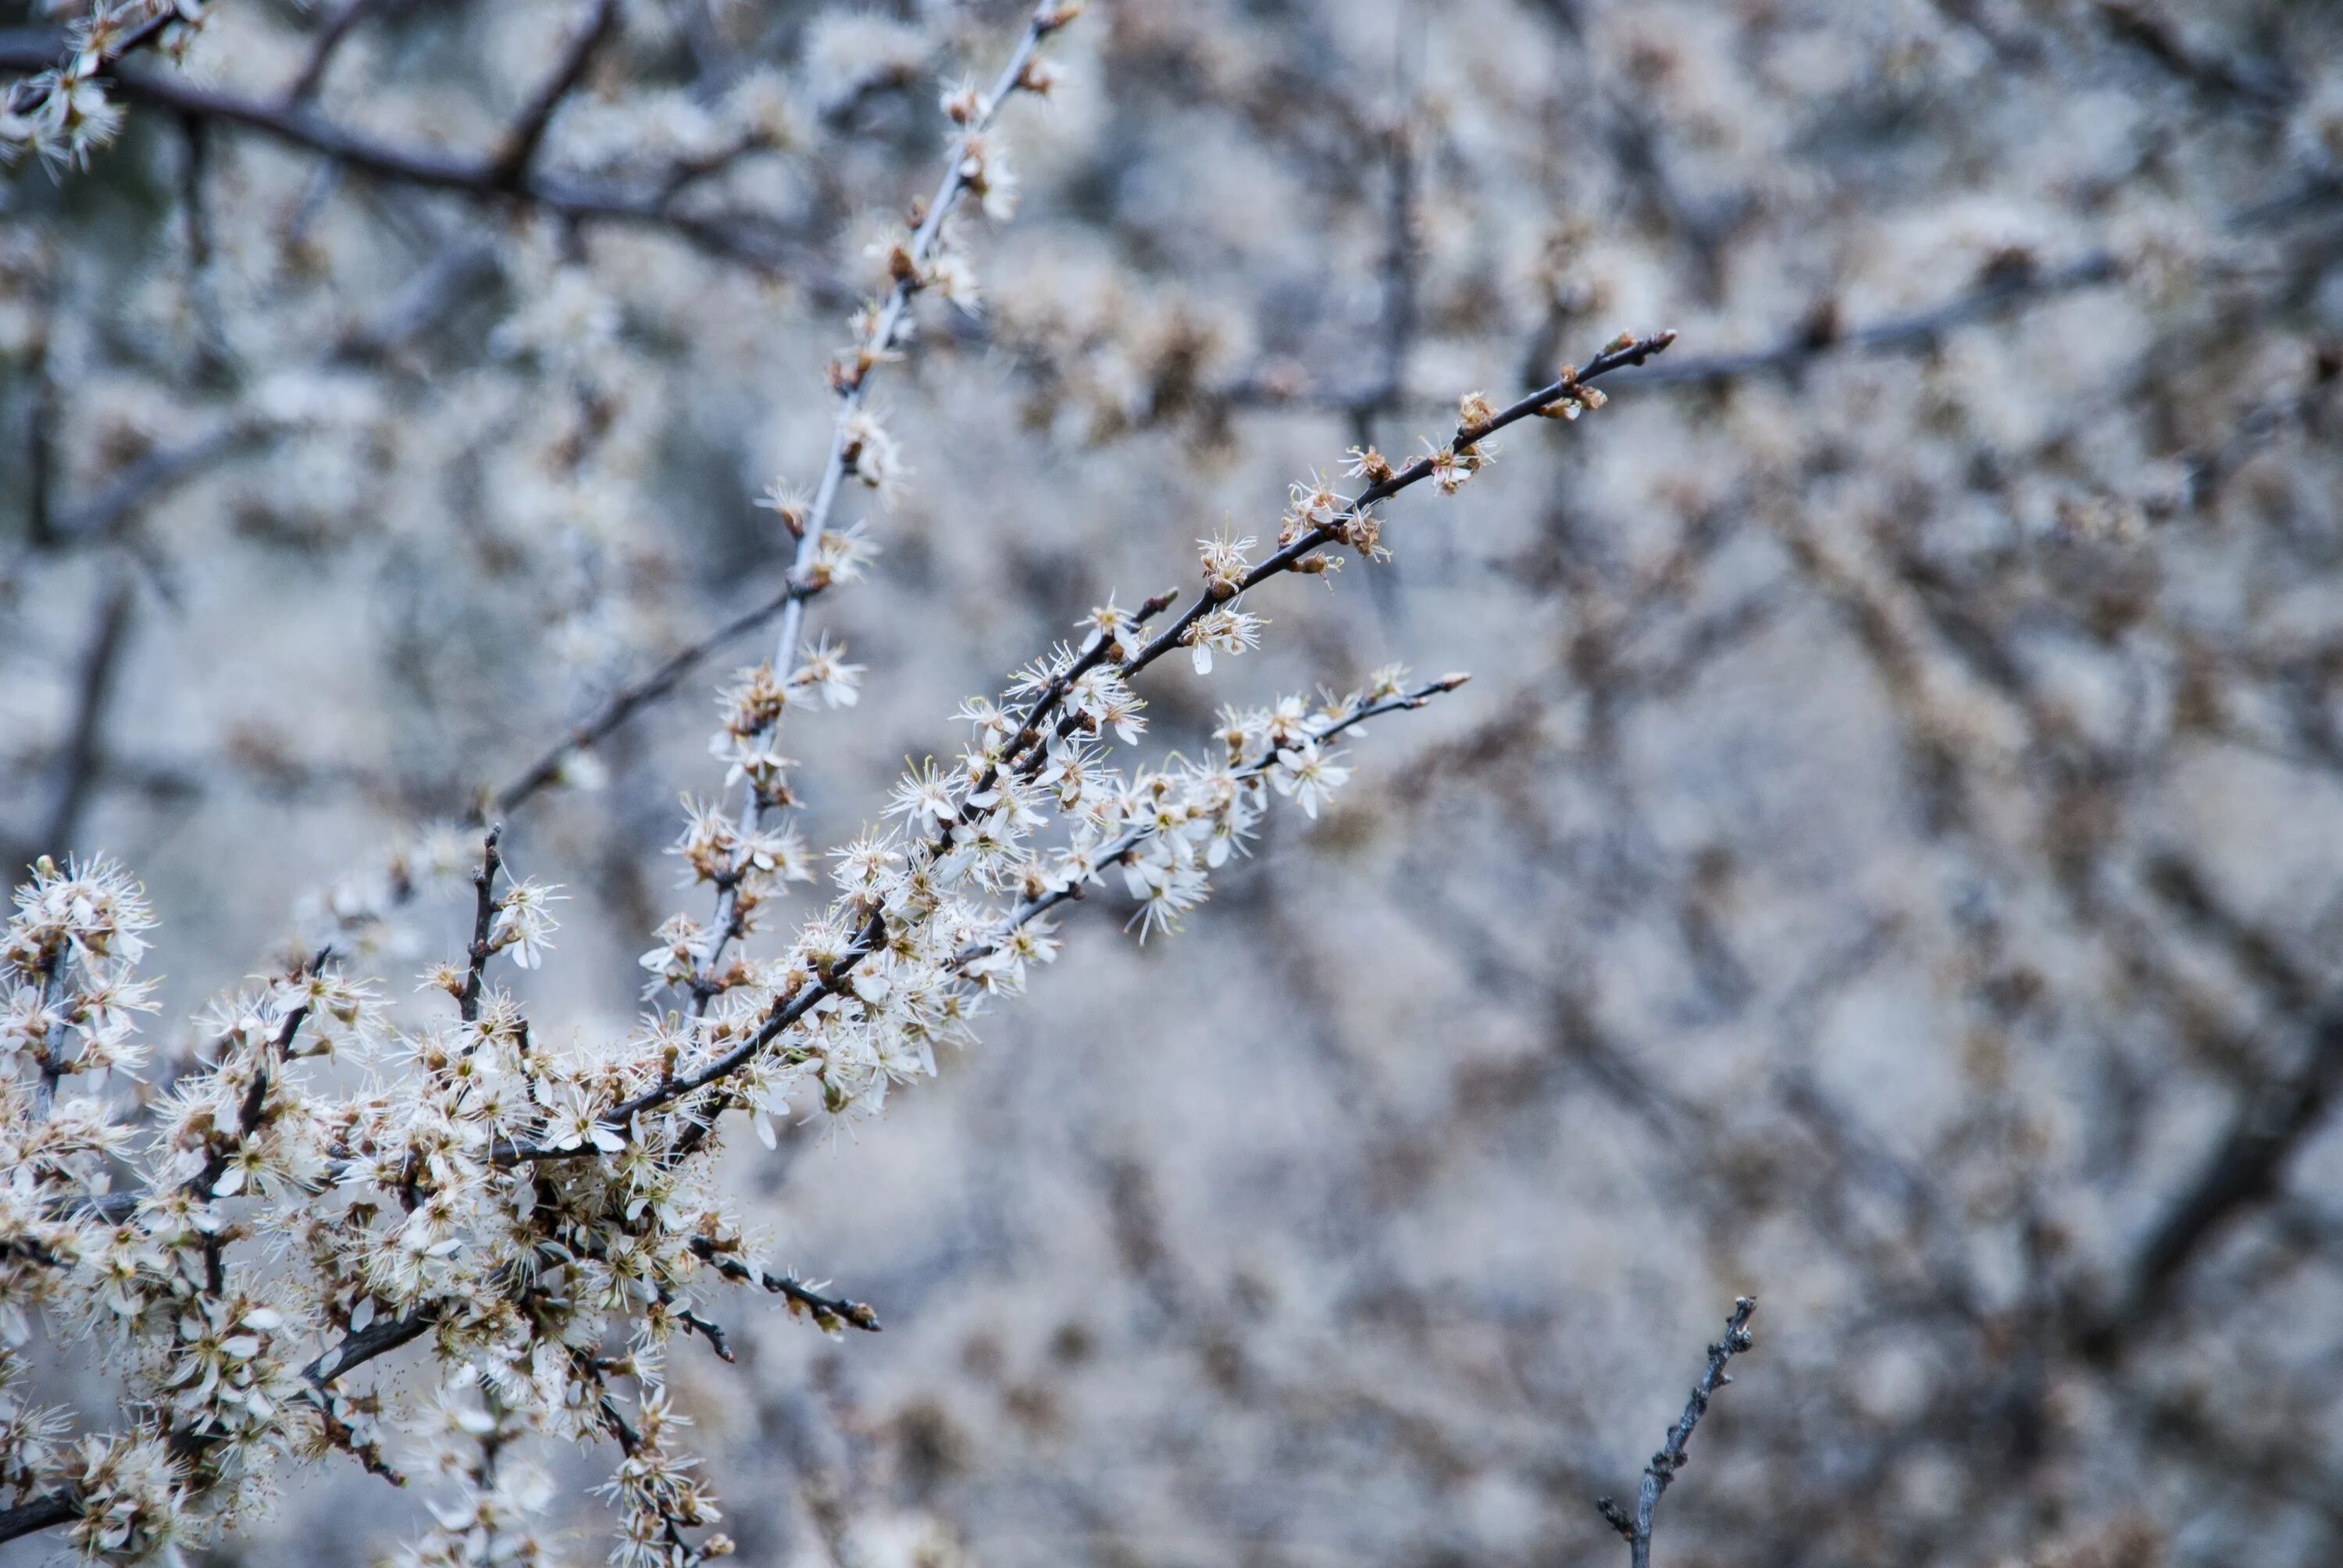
(829, 1313)
(1671, 1457)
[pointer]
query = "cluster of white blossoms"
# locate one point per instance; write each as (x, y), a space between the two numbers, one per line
(63, 115)
(325, 1184)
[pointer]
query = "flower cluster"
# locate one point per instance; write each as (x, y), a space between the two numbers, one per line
(63, 115)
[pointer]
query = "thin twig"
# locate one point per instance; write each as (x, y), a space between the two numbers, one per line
(1671, 1457)
(829, 1312)
(483, 917)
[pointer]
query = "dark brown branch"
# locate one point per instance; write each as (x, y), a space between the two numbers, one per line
(42, 1513)
(1672, 1457)
(829, 1313)
(377, 1339)
(484, 916)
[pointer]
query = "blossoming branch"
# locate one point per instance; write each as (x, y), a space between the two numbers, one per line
(331, 1184)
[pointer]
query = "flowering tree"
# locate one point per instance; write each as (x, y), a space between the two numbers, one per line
(1883, 866)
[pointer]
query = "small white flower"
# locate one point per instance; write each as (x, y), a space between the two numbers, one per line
(1307, 776)
(826, 673)
(576, 1125)
(525, 923)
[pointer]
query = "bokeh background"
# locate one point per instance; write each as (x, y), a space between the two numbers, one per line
(1885, 862)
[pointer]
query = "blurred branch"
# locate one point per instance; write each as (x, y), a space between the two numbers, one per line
(412, 310)
(511, 165)
(40, 448)
(75, 765)
(633, 697)
(743, 238)
(2274, 1120)
(212, 353)
(2009, 284)
(328, 42)
(93, 519)
(2259, 84)
(1671, 1457)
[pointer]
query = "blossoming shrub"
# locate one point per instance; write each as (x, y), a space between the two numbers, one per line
(537, 1223)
